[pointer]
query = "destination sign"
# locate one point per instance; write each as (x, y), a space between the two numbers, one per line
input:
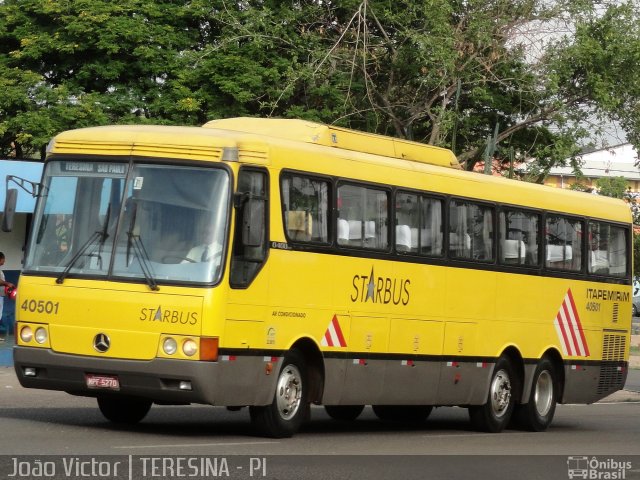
(94, 167)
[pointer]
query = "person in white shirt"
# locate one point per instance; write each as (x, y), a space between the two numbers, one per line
(209, 250)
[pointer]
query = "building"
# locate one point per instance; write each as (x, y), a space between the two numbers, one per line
(13, 244)
(616, 161)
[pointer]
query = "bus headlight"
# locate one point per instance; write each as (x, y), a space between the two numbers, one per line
(170, 346)
(41, 335)
(26, 334)
(189, 347)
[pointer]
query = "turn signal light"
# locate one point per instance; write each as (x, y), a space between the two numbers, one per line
(209, 349)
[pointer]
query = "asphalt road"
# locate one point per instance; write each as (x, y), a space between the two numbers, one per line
(633, 381)
(37, 423)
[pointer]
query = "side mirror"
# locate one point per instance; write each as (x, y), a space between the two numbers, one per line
(253, 226)
(9, 209)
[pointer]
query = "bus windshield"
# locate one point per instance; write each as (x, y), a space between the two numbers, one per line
(156, 223)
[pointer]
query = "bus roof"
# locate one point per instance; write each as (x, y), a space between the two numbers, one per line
(343, 138)
(389, 160)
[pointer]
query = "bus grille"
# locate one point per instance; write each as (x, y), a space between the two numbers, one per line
(611, 375)
(613, 347)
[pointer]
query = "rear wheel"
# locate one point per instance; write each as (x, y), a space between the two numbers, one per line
(495, 414)
(402, 413)
(346, 413)
(537, 413)
(124, 410)
(283, 417)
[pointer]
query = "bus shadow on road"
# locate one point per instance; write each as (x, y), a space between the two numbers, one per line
(202, 421)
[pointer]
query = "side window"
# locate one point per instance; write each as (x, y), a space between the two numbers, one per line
(407, 221)
(470, 231)
(250, 236)
(430, 235)
(305, 204)
(418, 224)
(563, 243)
(519, 238)
(607, 249)
(362, 217)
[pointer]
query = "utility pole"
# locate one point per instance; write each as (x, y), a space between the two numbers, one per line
(490, 150)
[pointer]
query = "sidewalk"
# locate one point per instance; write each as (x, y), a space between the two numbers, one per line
(622, 396)
(634, 360)
(6, 354)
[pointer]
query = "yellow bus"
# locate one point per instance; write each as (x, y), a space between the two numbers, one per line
(274, 264)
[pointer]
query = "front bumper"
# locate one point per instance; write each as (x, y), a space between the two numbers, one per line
(241, 382)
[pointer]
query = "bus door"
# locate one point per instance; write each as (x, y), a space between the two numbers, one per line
(247, 309)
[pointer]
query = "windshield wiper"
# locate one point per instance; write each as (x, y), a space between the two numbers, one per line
(143, 258)
(100, 235)
(91, 242)
(140, 253)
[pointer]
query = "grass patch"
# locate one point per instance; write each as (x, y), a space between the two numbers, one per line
(635, 350)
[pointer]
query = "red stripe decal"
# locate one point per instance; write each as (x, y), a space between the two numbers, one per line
(564, 334)
(336, 325)
(572, 328)
(575, 311)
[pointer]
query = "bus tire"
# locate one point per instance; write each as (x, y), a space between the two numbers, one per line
(290, 406)
(495, 414)
(402, 413)
(345, 413)
(124, 410)
(536, 415)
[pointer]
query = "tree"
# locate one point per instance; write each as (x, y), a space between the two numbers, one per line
(441, 70)
(91, 62)
(31, 112)
(636, 255)
(88, 62)
(615, 187)
(445, 72)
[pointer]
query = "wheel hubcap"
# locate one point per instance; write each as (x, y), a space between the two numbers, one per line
(289, 392)
(543, 396)
(500, 393)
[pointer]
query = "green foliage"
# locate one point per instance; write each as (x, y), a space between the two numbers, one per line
(375, 65)
(580, 187)
(615, 187)
(411, 55)
(636, 255)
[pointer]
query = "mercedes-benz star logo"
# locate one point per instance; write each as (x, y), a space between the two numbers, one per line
(101, 342)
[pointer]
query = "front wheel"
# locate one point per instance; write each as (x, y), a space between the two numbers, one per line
(537, 413)
(124, 410)
(495, 414)
(283, 417)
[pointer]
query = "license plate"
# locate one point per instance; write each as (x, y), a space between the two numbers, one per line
(109, 382)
